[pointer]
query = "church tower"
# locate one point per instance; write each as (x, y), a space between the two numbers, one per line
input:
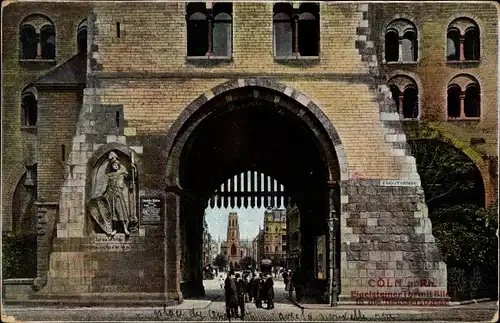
(233, 238)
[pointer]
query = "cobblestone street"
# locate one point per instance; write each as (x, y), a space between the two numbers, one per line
(212, 308)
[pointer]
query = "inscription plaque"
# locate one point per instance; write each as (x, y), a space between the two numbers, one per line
(151, 210)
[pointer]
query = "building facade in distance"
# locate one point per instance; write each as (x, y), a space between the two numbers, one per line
(274, 236)
(293, 236)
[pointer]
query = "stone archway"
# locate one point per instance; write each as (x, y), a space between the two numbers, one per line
(428, 132)
(280, 99)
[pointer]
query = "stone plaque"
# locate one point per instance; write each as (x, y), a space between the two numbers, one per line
(151, 210)
(399, 182)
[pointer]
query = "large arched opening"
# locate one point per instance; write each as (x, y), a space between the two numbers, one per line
(239, 127)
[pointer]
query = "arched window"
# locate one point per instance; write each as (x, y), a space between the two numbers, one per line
(391, 46)
(463, 40)
(405, 93)
(37, 38)
(401, 43)
(308, 31)
(81, 37)
(464, 98)
(48, 41)
(296, 32)
(209, 30)
(29, 42)
(283, 30)
(472, 100)
(29, 107)
(454, 101)
(233, 250)
(453, 45)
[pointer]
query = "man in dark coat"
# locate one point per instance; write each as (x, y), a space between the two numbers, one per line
(269, 291)
(252, 287)
(241, 288)
(258, 291)
(231, 296)
(298, 283)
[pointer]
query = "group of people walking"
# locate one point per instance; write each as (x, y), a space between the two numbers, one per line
(240, 290)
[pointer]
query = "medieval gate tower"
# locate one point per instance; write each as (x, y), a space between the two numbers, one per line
(146, 119)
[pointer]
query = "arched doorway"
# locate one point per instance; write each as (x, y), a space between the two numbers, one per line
(267, 128)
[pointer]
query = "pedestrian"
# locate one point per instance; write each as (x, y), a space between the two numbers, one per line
(269, 291)
(230, 295)
(298, 283)
(285, 277)
(240, 292)
(250, 288)
(221, 282)
(258, 291)
(289, 285)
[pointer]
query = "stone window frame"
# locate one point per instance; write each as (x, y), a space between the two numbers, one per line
(210, 11)
(406, 24)
(294, 11)
(29, 91)
(38, 23)
(404, 82)
(463, 24)
(463, 82)
(82, 27)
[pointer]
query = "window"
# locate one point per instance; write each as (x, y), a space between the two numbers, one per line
(464, 98)
(296, 32)
(233, 250)
(81, 37)
(209, 30)
(29, 107)
(37, 38)
(401, 42)
(462, 40)
(405, 93)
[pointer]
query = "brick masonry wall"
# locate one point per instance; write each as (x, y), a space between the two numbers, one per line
(387, 236)
(148, 110)
(19, 146)
(432, 73)
(58, 115)
(153, 39)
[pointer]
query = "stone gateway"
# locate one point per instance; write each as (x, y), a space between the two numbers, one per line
(134, 113)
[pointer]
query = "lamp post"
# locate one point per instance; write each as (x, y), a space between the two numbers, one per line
(333, 284)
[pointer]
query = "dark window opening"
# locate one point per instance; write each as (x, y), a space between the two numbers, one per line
(391, 46)
(454, 101)
(29, 42)
(453, 45)
(472, 102)
(118, 31)
(298, 35)
(233, 250)
(409, 46)
(29, 109)
(283, 29)
(471, 44)
(222, 29)
(410, 103)
(117, 119)
(48, 42)
(395, 96)
(82, 40)
(308, 31)
(63, 152)
(209, 31)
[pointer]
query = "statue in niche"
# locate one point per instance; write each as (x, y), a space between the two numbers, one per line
(113, 206)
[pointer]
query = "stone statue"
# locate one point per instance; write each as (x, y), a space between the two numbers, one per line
(116, 206)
